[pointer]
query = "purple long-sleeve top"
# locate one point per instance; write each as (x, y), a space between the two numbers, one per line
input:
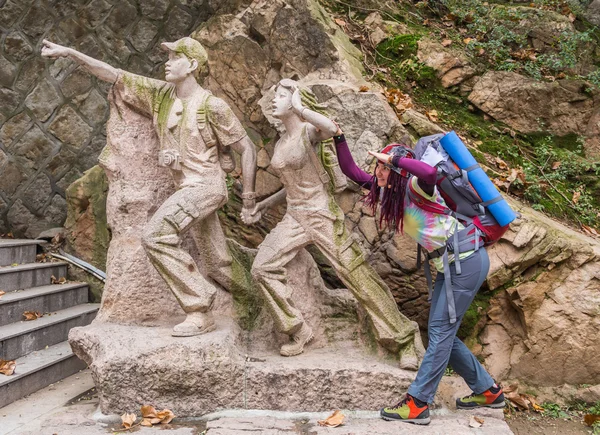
(425, 173)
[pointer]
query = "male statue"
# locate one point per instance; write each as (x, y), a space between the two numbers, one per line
(195, 131)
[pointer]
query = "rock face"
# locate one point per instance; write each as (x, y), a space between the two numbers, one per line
(452, 67)
(546, 320)
(562, 107)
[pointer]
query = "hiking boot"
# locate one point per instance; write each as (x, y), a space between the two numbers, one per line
(300, 338)
(195, 324)
(492, 398)
(408, 411)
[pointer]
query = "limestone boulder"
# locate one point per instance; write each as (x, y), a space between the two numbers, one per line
(592, 12)
(452, 66)
(561, 108)
(544, 316)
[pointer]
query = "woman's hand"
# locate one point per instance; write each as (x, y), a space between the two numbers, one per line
(54, 51)
(250, 217)
(385, 158)
(297, 103)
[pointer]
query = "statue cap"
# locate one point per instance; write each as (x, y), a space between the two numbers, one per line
(188, 46)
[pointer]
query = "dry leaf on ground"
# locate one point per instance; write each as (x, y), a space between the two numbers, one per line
(590, 419)
(475, 421)
(556, 165)
(432, 115)
(334, 420)
(2, 292)
(523, 402)
(340, 22)
(152, 417)
(447, 42)
(363, 88)
(7, 367)
(128, 420)
(60, 280)
(576, 196)
(32, 315)
(398, 99)
(589, 230)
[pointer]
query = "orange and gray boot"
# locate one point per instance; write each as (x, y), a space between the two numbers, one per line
(492, 398)
(408, 411)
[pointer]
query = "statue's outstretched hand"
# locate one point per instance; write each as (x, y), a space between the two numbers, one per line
(53, 51)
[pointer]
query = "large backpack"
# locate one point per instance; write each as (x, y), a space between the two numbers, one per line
(463, 202)
(458, 193)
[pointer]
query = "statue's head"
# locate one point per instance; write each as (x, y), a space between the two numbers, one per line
(282, 101)
(186, 56)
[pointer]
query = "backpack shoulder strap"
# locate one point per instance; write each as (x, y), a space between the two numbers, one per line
(424, 203)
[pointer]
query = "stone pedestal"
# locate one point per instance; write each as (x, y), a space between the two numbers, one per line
(194, 376)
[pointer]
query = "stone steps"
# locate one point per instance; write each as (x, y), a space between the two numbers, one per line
(18, 339)
(37, 370)
(40, 347)
(18, 251)
(45, 299)
(30, 275)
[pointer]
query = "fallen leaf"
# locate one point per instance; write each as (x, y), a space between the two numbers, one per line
(363, 88)
(426, 22)
(481, 52)
(589, 230)
(556, 165)
(467, 40)
(447, 42)
(166, 416)
(432, 115)
(501, 163)
(334, 420)
(475, 421)
(60, 280)
(340, 22)
(32, 315)
(572, 17)
(7, 367)
(576, 196)
(590, 419)
(2, 293)
(152, 417)
(128, 420)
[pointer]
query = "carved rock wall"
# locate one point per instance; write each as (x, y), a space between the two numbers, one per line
(52, 116)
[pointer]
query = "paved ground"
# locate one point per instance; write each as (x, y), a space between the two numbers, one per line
(70, 407)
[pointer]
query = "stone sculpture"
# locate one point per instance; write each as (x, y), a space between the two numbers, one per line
(314, 217)
(196, 132)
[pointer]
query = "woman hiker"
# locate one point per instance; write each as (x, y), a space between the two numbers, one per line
(313, 217)
(396, 173)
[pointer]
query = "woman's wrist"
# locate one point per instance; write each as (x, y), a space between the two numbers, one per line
(339, 138)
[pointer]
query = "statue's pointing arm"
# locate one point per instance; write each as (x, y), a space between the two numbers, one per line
(96, 67)
(138, 91)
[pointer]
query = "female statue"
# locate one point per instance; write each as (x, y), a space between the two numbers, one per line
(313, 217)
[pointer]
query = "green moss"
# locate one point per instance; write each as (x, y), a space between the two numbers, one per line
(399, 47)
(246, 295)
(476, 311)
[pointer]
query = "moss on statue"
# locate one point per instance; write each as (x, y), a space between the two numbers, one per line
(246, 295)
(88, 235)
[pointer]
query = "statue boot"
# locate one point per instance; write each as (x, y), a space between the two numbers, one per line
(299, 339)
(195, 324)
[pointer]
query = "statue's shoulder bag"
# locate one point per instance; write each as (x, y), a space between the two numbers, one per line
(226, 160)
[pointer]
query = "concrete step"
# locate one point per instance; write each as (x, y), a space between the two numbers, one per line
(45, 299)
(38, 370)
(30, 275)
(18, 339)
(18, 251)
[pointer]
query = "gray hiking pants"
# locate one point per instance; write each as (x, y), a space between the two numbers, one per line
(444, 347)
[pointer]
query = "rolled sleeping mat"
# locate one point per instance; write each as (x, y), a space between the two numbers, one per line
(478, 178)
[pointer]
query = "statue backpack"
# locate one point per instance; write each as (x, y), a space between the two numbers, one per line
(482, 210)
(226, 160)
